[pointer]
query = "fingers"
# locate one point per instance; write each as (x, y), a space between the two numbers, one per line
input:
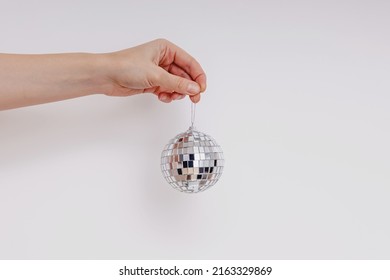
(182, 59)
(173, 83)
(177, 96)
(167, 97)
(182, 74)
(174, 69)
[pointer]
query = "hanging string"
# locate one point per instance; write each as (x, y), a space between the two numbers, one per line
(193, 108)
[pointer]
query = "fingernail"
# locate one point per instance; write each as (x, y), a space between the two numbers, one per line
(163, 97)
(193, 88)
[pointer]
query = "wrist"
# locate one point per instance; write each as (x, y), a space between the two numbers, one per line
(99, 66)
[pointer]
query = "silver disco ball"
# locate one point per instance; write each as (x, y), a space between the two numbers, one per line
(192, 161)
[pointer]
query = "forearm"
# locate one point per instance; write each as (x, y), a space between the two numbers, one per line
(35, 79)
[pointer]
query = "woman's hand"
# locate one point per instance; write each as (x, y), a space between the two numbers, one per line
(158, 67)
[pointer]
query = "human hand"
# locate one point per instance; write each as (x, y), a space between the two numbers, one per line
(158, 67)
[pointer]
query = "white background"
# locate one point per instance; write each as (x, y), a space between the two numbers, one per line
(298, 98)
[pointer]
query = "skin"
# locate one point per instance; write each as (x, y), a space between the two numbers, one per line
(157, 67)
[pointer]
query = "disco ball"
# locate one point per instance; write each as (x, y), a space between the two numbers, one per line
(192, 161)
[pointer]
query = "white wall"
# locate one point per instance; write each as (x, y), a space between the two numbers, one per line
(298, 98)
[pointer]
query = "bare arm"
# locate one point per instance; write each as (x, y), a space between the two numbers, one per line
(157, 67)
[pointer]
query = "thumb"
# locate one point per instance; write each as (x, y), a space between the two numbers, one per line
(175, 83)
